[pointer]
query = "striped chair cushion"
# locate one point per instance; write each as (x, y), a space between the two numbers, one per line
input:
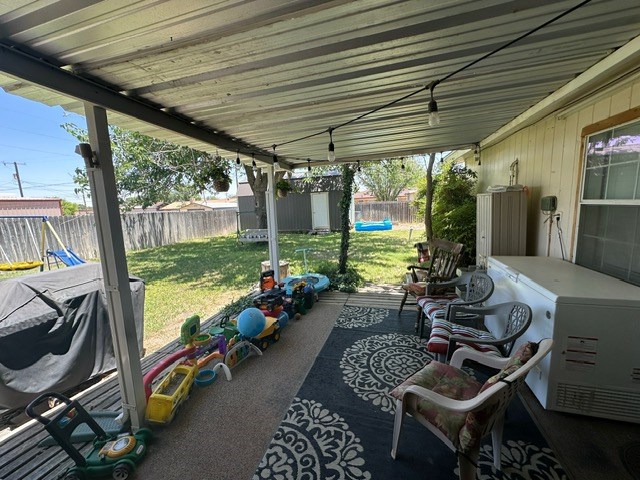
(441, 330)
(434, 306)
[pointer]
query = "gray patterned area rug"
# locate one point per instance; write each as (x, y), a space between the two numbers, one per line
(339, 425)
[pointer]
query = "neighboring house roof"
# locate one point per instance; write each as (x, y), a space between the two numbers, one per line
(30, 206)
(199, 205)
(404, 193)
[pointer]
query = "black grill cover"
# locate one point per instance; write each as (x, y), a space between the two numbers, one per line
(54, 331)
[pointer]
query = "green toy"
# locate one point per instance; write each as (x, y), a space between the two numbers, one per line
(114, 456)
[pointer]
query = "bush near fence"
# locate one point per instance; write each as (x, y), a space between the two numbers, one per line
(397, 212)
(20, 237)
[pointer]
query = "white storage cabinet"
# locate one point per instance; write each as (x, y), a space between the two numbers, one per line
(501, 227)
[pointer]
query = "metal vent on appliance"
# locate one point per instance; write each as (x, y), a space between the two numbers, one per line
(609, 403)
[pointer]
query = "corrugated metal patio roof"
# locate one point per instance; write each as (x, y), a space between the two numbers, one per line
(264, 72)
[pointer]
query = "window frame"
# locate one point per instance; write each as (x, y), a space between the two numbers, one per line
(611, 123)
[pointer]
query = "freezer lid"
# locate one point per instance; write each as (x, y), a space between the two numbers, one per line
(565, 282)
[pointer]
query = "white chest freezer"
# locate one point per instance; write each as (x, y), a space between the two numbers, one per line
(594, 320)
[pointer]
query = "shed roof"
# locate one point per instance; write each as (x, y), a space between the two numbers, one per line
(252, 74)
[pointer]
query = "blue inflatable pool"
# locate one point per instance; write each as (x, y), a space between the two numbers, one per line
(370, 226)
(319, 282)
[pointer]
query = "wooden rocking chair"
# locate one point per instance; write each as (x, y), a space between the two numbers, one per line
(442, 267)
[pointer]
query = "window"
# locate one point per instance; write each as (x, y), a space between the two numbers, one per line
(609, 228)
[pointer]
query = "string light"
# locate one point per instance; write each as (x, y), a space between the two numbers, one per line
(331, 154)
(276, 165)
(402, 164)
(434, 116)
(253, 160)
(358, 167)
(238, 157)
(309, 165)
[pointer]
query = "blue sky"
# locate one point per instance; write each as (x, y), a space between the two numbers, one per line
(30, 134)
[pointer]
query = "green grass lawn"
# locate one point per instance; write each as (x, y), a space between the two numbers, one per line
(201, 276)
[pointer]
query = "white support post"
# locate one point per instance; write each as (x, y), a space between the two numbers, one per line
(272, 223)
(115, 274)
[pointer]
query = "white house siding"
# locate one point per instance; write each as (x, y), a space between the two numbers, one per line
(549, 161)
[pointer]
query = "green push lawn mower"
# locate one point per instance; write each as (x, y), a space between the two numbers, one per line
(111, 456)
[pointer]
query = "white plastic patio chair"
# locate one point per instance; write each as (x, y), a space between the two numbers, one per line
(462, 422)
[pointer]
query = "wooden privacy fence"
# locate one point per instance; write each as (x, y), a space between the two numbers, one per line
(20, 237)
(397, 212)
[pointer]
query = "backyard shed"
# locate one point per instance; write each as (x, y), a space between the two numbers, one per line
(310, 206)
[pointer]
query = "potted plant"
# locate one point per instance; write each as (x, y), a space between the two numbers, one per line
(283, 187)
(215, 171)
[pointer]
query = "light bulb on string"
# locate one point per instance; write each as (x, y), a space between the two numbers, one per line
(402, 166)
(253, 160)
(331, 154)
(276, 165)
(238, 157)
(309, 165)
(434, 116)
(358, 169)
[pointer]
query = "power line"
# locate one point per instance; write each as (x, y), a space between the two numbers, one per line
(434, 83)
(4, 127)
(40, 151)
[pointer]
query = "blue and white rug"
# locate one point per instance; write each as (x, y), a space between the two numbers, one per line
(339, 425)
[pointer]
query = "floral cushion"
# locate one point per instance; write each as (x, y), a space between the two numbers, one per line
(471, 432)
(441, 330)
(449, 382)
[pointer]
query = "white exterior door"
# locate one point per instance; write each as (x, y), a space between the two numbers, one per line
(320, 210)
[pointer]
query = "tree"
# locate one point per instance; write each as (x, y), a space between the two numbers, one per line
(258, 181)
(149, 170)
(454, 207)
(345, 207)
(386, 179)
(69, 208)
(428, 217)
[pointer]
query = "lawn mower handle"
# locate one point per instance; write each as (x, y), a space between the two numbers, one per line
(45, 396)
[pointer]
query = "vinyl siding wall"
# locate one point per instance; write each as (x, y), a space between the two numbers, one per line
(548, 153)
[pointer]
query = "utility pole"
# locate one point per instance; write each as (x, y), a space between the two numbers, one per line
(16, 175)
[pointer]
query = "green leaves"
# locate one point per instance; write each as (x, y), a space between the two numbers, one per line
(386, 179)
(454, 207)
(149, 170)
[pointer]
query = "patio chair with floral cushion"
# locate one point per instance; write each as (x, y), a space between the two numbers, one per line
(458, 409)
(447, 336)
(444, 257)
(470, 288)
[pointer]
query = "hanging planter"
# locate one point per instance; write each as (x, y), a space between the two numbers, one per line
(221, 184)
(283, 188)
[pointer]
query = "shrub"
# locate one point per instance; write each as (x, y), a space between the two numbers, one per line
(343, 282)
(237, 306)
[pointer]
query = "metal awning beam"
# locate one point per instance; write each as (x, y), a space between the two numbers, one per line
(45, 74)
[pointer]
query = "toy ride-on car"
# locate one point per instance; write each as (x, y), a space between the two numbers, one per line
(116, 456)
